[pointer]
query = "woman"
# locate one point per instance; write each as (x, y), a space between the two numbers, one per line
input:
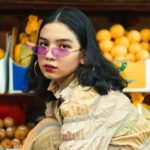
(83, 90)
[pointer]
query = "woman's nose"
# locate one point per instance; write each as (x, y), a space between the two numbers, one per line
(49, 53)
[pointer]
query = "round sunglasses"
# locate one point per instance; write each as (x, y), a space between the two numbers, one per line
(56, 51)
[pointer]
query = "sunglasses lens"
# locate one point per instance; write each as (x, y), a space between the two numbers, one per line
(60, 52)
(56, 52)
(39, 50)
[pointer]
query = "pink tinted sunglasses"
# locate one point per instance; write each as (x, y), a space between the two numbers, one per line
(56, 51)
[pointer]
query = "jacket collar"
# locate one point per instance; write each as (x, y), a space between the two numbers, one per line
(56, 89)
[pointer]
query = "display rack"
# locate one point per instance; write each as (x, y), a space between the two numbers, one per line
(16, 13)
(85, 6)
(20, 9)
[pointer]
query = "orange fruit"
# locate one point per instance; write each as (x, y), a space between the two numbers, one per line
(106, 45)
(119, 50)
(130, 57)
(142, 54)
(108, 56)
(145, 34)
(103, 34)
(134, 47)
(145, 45)
(117, 30)
(134, 36)
(120, 58)
(2, 53)
(123, 40)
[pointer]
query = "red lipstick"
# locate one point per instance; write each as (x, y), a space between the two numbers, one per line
(49, 68)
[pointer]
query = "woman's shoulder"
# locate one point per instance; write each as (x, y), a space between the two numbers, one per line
(116, 98)
(118, 94)
(76, 93)
(85, 92)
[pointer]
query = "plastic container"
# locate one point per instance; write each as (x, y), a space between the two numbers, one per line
(138, 76)
(4, 68)
(18, 75)
(18, 78)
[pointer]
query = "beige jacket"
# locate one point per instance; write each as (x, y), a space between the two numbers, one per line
(44, 136)
(95, 122)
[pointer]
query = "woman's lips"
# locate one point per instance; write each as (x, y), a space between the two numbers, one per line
(49, 68)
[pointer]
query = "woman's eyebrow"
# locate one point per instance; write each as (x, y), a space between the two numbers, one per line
(64, 40)
(57, 40)
(42, 38)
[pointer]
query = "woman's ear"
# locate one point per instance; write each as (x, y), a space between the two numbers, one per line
(82, 58)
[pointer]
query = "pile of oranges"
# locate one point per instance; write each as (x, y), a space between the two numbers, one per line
(120, 44)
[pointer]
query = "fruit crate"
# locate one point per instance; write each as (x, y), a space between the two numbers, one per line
(4, 62)
(137, 74)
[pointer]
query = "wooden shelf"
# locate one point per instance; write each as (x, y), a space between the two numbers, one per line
(19, 10)
(85, 6)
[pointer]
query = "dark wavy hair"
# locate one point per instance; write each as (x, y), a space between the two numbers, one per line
(97, 72)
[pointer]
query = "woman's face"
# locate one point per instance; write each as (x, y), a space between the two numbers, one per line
(58, 35)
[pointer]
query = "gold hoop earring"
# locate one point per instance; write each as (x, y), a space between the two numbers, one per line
(35, 64)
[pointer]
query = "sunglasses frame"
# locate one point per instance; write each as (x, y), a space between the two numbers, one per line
(53, 51)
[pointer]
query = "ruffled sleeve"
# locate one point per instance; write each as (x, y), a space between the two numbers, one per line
(91, 120)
